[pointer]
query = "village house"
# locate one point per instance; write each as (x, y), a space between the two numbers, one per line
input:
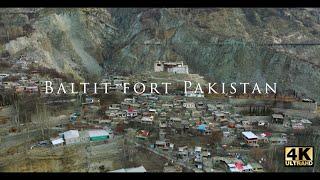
(240, 167)
(115, 107)
(167, 106)
(211, 107)
(71, 137)
(247, 125)
(147, 120)
(198, 158)
(206, 153)
(277, 118)
(111, 113)
(276, 140)
(189, 105)
(302, 124)
(240, 128)
(142, 134)
(162, 145)
(256, 167)
(250, 138)
(201, 106)
(175, 120)
(129, 100)
(152, 111)
(9, 84)
(182, 152)
(263, 123)
(131, 112)
(233, 164)
(163, 114)
(57, 141)
(98, 135)
(162, 125)
(297, 126)
(221, 107)
(153, 97)
(217, 116)
(31, 89)
(263, 139)
(307, 123)
(191, 94)
(177, 105)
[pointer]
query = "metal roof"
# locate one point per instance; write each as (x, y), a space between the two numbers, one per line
(139, 169)
(98, 132)
(277, 116)
(71, 134)
(57, 141)
(249, 135)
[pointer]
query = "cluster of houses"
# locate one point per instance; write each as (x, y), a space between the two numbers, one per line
(20, 83)
(76, 136)
(178, 113)
(170, 115)
(237, 164)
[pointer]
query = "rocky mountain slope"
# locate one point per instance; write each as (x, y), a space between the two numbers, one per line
(68, 40)
(248, 45)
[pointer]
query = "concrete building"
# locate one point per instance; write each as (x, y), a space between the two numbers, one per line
(71, 137)
(277, 118)
(131, 112)
(194, 94)
(98, 135)
(250, 138)
(278, 140)
(189, 105)
(139, 169)
(57, 141)
(147, 120)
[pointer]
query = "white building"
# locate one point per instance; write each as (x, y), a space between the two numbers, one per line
(250, 138)
(131, 113)
(147, 120)
(57, 141)
(71, 137)
(189, 105)
(139, 169)
(194, 94)
(171, 67)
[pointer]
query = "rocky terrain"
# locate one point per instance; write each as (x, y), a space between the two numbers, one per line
(248, 45)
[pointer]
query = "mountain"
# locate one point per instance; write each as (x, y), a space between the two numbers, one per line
(223, 44)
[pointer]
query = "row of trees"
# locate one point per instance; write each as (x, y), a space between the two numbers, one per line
(257, 111)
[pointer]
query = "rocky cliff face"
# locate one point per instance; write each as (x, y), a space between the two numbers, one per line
(221, 44)
(225, 44)
(68, 40)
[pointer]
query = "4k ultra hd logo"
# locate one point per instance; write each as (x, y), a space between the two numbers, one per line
(298, 156)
